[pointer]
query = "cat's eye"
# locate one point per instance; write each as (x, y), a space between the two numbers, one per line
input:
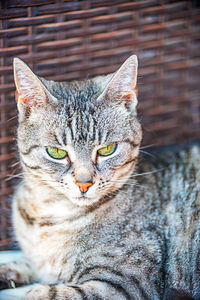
(56, 152)
(108, 150)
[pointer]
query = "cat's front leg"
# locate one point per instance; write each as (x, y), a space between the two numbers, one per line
(92, 289)
(16, 274)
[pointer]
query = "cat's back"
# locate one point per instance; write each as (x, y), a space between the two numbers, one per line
(176, 178)
(173, 176)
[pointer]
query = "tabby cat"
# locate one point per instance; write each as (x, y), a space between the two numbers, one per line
(92, 222)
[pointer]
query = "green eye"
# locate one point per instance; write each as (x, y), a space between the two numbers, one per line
(56, 152)
(108, 150)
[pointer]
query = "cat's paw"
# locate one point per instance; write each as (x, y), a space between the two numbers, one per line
(16, 274)
(38, 292)
(8, 278)
(47, 292)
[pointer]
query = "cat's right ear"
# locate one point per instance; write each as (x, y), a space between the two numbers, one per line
(122, 87)
(30, 92)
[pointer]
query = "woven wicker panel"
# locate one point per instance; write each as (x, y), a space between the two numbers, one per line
(64, 40)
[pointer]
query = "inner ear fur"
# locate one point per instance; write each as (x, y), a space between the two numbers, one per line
(30, 90)
(122, 87)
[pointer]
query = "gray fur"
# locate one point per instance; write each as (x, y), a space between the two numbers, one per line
(131, 236)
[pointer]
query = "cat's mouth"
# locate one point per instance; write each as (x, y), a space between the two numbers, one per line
(83, 198)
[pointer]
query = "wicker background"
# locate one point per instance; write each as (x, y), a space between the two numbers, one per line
(63, 40)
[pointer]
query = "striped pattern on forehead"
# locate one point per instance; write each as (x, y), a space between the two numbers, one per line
(83, 127)
(78, 112)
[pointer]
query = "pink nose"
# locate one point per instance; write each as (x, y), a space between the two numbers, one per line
(83, 186)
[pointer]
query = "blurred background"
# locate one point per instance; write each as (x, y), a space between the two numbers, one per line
(66, 40)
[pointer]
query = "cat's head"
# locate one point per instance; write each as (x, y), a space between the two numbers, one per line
(81, 138)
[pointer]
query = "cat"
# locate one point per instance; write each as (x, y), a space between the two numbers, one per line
(94, 219)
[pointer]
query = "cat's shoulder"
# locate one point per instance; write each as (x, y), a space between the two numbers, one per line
(171, 161)
(165, 156)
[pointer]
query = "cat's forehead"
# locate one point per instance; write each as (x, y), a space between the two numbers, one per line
(92, 124)
(81, 119)
(80, 111)
(76, 94)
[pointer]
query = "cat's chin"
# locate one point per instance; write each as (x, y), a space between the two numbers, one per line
(84, 201)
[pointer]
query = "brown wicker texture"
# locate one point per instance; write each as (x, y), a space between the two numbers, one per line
(64, 40)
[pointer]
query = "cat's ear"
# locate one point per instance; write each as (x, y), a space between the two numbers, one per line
(30, 90)
(122, 86)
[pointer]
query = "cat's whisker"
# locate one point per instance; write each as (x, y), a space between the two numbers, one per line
(121, 180)
(148, 146)
(10, 177)
(147, 173)
(127, 183)
(15, 164)
(47, 181)
(147, 153)
(12, 118)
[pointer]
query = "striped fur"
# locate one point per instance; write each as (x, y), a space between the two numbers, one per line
(130, 236)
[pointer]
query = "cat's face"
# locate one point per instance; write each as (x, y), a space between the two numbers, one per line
(82, 138)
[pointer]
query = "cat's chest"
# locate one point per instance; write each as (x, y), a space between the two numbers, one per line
(56, 250)
(50, 249)
(49, 241)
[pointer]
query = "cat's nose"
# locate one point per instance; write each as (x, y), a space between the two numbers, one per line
(84, 186)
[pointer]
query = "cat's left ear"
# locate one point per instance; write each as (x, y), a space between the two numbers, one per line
(30, 90)
(122, 87)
